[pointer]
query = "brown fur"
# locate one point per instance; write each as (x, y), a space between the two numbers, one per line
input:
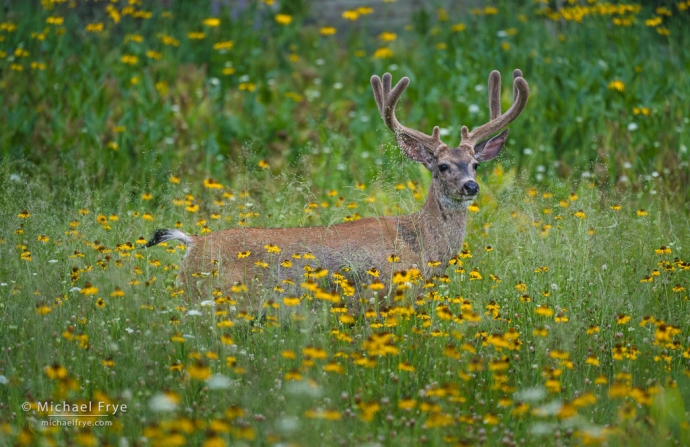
(434, 233)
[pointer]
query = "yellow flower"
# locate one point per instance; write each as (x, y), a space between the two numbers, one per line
(263, 164)
(654, 21)
(327, 31)
(55, 20)
(388, 36)
(212, 184)
(227, 45)
(641, 213)
(458, 27)
(88, 289)
(334, 368)
(383, 53)
(351, 15)
(544, 310)
(289, 302)
(196, 35)
(617, 85)
(283, 19)
(212, 22)
(129, 59)
(243, 254)
(94, 27)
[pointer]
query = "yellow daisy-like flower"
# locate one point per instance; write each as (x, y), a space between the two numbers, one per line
(283, 19)
(243, 254)
(212, 22)
(271, 248)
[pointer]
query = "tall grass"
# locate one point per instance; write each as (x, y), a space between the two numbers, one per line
(564, 324)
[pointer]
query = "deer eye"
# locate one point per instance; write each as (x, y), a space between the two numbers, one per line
(442, 168)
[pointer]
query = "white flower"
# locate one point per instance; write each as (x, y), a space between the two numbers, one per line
(193, 313)
(632, 127)
(218, 382)
(473, 108)
(162, 402)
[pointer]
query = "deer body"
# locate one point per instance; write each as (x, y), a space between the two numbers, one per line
(425, 240)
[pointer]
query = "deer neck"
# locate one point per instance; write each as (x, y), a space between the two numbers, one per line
(440, 226)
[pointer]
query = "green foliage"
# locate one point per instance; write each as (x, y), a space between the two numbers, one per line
(565, 324)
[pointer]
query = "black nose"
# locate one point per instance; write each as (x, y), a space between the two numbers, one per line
(471, 188)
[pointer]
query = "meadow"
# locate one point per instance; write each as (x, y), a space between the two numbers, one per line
(562, 321)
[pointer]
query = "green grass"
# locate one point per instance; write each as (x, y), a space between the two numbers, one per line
(581, 246)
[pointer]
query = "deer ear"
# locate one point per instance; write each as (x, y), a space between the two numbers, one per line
(488, 149)
(415, 150)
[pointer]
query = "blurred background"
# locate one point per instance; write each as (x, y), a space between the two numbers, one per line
(120, 95)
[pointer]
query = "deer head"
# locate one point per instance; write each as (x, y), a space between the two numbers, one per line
(454, 169)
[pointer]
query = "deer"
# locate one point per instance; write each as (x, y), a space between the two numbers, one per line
(377, 247)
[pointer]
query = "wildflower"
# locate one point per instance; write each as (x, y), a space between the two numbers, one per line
(623, 319)
(100, 303)
(199, 371)
(243, 254)
(521, 287)
(387, 36)
(42, 309)
(291, 302)
(393, 258)
(473, 208)
(117, 293)
(55, 20)
(212, 22)
(55, 371)
(212, 184)
(617, 85)
(24, 215)
(350, 15)
(88, 289)
(641, 213)
(271, 248)
(580, 214)
(327, 31)
(196, 35)
(283, 19)
(129, 59)
(544, 310)
(458, 27)
(383, 53)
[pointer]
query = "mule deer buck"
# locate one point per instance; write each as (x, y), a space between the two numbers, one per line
(423, 240)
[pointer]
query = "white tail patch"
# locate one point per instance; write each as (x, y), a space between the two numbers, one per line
(165, 235)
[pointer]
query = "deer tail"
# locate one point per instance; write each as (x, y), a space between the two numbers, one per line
(164, 235)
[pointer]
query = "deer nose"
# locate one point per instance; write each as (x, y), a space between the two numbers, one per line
(471, 188)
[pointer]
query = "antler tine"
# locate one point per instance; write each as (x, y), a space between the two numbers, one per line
(517, 73)
(494, 95)
(520, 97)
(387, 99)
